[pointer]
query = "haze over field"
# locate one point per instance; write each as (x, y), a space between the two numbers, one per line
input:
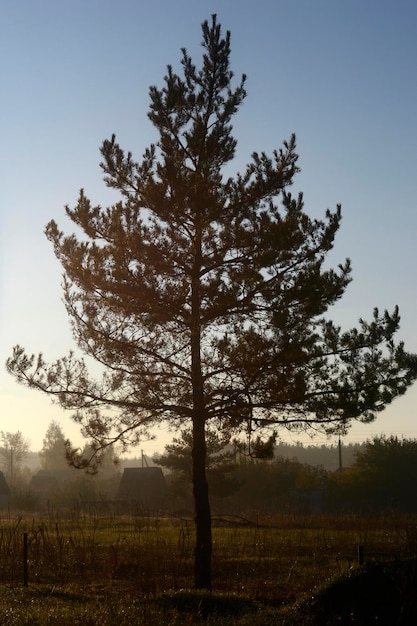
(339, 75)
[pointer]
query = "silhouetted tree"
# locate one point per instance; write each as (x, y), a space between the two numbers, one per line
(382, 479)
(53, 453)
(273, 486)
(13, 451)
(220, 461)
(387, 470)
(202, 295)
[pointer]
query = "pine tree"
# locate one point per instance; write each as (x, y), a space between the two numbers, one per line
(220, 461)
(202, 295)
(52, 455)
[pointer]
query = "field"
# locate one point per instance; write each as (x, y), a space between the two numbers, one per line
(124, 570)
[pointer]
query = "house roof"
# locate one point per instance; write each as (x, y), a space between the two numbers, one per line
(48, 479)
(4, 487)
(144, 484)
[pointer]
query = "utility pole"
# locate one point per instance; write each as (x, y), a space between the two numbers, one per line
(11, 465)
(340, 454)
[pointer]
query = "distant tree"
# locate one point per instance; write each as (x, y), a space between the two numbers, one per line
(348, 491)
(109, 461)
(53, 451)
(256, 447)
(220, 462)
(382, 479)
(387, 469)
(13, 451)
(273, 486)
(202, 295)
(326, 456)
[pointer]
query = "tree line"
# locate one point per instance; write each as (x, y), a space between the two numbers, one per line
(378, 476)
(381, 478)
(19, 465)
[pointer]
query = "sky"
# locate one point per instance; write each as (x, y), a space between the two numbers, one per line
(340, 74)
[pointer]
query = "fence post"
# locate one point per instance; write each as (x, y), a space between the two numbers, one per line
(360, 555)
(25, 559)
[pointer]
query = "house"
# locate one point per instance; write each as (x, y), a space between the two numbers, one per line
(144, 487)
(45, 485)
(4, 492)
(46, 481)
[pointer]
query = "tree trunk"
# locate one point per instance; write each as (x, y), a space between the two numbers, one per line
(203, 546)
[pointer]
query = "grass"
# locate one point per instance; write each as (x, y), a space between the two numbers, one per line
(138, 570)
(379, 593)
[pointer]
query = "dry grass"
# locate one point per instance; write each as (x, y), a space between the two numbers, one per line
(132, 569)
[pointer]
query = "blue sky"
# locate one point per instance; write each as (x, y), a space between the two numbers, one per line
(340, 74)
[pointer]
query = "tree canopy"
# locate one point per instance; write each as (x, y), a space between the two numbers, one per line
(382, 479)
(14, 448)
(220, 462)
(203, 295)
(52, 455)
